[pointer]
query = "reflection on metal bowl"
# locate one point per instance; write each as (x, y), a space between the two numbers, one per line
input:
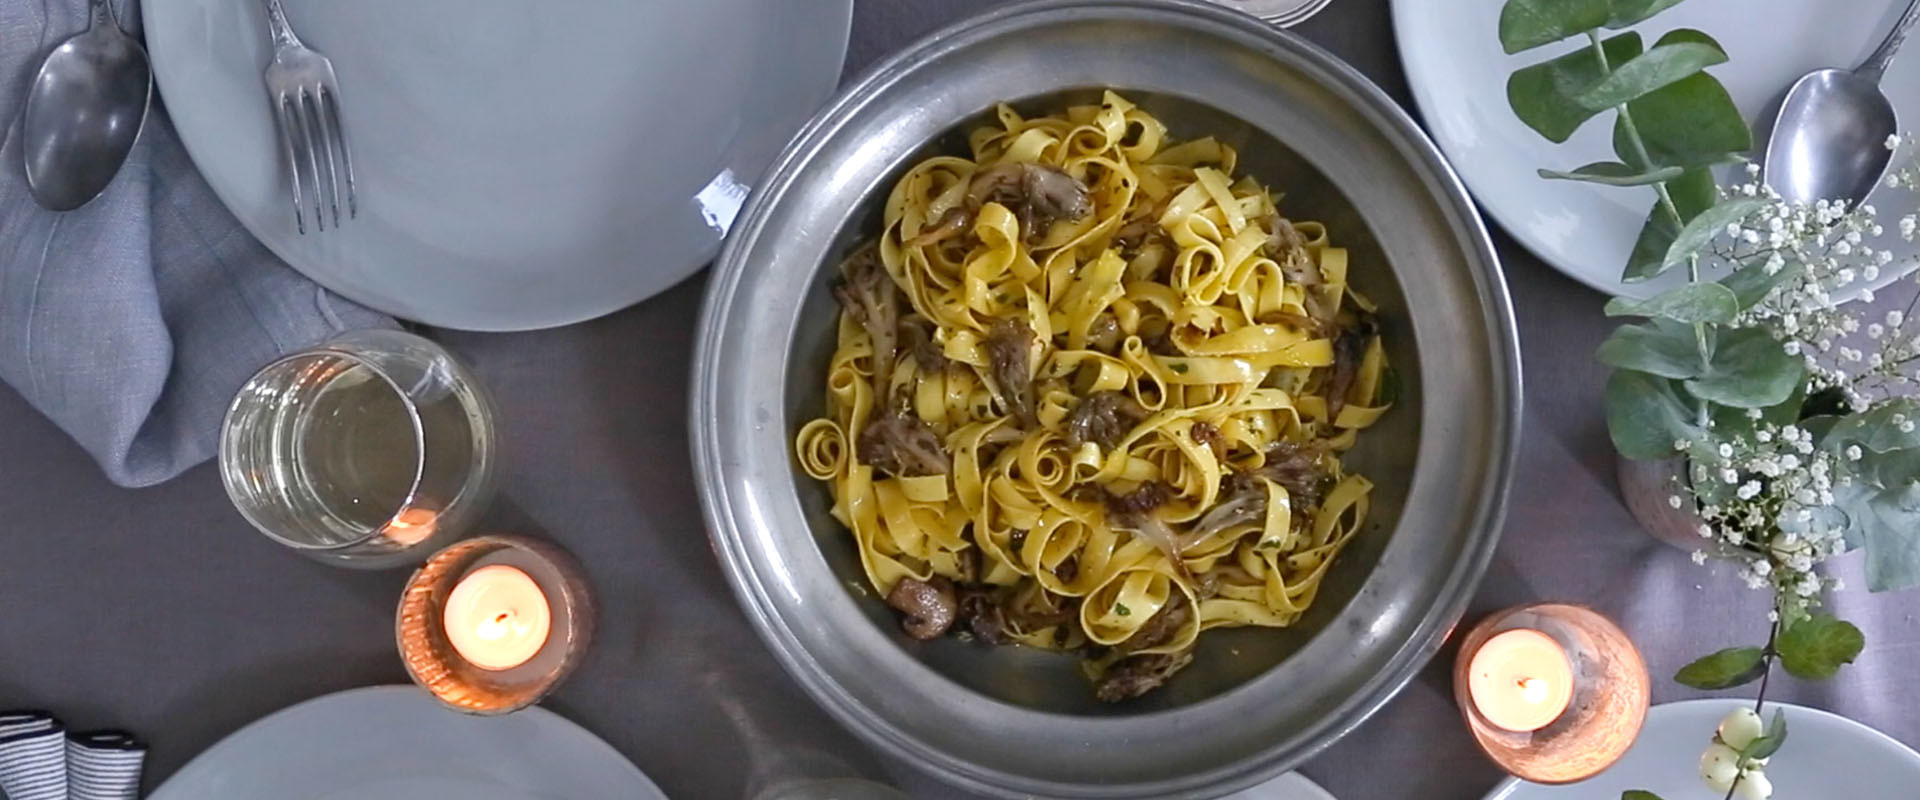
(1018, 722)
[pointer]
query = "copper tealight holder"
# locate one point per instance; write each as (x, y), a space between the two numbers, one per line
(431, 659)
(1608, 706)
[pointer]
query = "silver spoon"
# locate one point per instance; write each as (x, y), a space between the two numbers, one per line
(1829, 140)
(84, 112)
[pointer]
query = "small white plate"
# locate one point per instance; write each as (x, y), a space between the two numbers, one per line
(1826, 756)
(518, 164)
(398, 743)
(1458, 73)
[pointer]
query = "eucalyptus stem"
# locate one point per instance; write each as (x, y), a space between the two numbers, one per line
(1702, 409)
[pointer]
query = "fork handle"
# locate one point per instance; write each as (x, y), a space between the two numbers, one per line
(278, 27)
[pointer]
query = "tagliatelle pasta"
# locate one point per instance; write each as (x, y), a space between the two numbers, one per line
(1090, 393)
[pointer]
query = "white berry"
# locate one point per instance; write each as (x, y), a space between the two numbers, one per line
(1719, 766)
(1754, 785)
(1740, 727)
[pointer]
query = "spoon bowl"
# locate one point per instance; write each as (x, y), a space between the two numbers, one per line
(1829, 141)
(84, 112)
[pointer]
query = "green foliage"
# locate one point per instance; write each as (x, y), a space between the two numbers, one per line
(1748, 369)
(1692, 193)
(1751, 283)
(1526, 24)
(1544, 95)
(1646, 415)
(1710, 223)
(1689, 303)
(1882, 504)
(1638, 794)
(1725, 669)
(1660, 347)
(1613, 173)
(1628, 12)
(1879, 428)
(1814, 648)
(1768, 743)
(1662, 66)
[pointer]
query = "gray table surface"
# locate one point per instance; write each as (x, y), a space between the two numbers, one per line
(159, 610)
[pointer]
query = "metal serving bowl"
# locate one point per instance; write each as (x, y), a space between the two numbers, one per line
(1017, 722)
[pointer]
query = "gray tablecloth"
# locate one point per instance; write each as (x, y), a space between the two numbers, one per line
(161, 611)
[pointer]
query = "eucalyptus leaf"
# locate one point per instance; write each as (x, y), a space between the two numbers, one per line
(1526, 24)
(1877, 429)
(1543, 95)
(1691, 122)
(1770, 742)
(1711, 223)
(1645, 415)
(1613, 173)
(1628, 12)
(1693, 192)
(1689, 303)
(1661, 347)
(1814, 648)
(1749, 369)
(1638, 794)
(1663, 65)
(1725, 669)
(1884, 521)
(1751, 283)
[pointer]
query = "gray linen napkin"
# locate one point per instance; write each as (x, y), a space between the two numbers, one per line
(131, 321)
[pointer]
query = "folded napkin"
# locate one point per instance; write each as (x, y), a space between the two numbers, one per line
(131, 321)
(39, 760)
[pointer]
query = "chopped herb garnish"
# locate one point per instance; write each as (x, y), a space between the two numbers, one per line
(1122, 610)
(1178, 366)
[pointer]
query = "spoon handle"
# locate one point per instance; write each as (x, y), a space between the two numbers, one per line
(102, 14)
(1876, 64)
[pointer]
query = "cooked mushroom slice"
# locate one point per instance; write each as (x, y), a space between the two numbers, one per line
(916, 337)
(867, 292)
(1035, 193)
(1104, 418)
(1133, 676)
(1349, 349)
(953, 223)
(929, 606)
(1009, 350)
(901, 444)
(1297, 468)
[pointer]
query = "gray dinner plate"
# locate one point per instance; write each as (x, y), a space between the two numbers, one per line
(517, 165)
(397, 743)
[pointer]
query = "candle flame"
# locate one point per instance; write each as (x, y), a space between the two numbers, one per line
(1533, 690)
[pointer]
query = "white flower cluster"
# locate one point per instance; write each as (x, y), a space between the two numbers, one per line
(1764, 491)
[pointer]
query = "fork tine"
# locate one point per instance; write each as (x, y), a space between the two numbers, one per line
(330, 115)
(313, 155)
(282, 110)
(317, 118)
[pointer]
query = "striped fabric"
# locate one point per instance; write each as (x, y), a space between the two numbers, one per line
(33, 756)
(39, 760)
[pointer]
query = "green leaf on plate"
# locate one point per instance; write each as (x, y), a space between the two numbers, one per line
(1814, 648)
(1749, 369)
(1692, 122)
(1543, 95)
(1725, 669)
(1688, 303)
(1638, 794)
(1526, 24)
(1769, 742)
(1613, 173)
(1710, 223)
(1693, 192)
(1877, 429)
(1661, 347)
(1628, 12)
(1645, 415)
(1663, 65)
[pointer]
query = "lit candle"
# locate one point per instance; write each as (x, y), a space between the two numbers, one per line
(1521, 680)
(497, 618)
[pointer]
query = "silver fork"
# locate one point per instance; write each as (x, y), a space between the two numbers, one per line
(306, 106)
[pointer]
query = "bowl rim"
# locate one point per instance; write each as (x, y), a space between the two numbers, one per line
(1449, 195)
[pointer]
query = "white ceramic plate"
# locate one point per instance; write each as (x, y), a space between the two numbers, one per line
(1826, 756)
(519, 165)
(1459, 75)
(398, 743)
